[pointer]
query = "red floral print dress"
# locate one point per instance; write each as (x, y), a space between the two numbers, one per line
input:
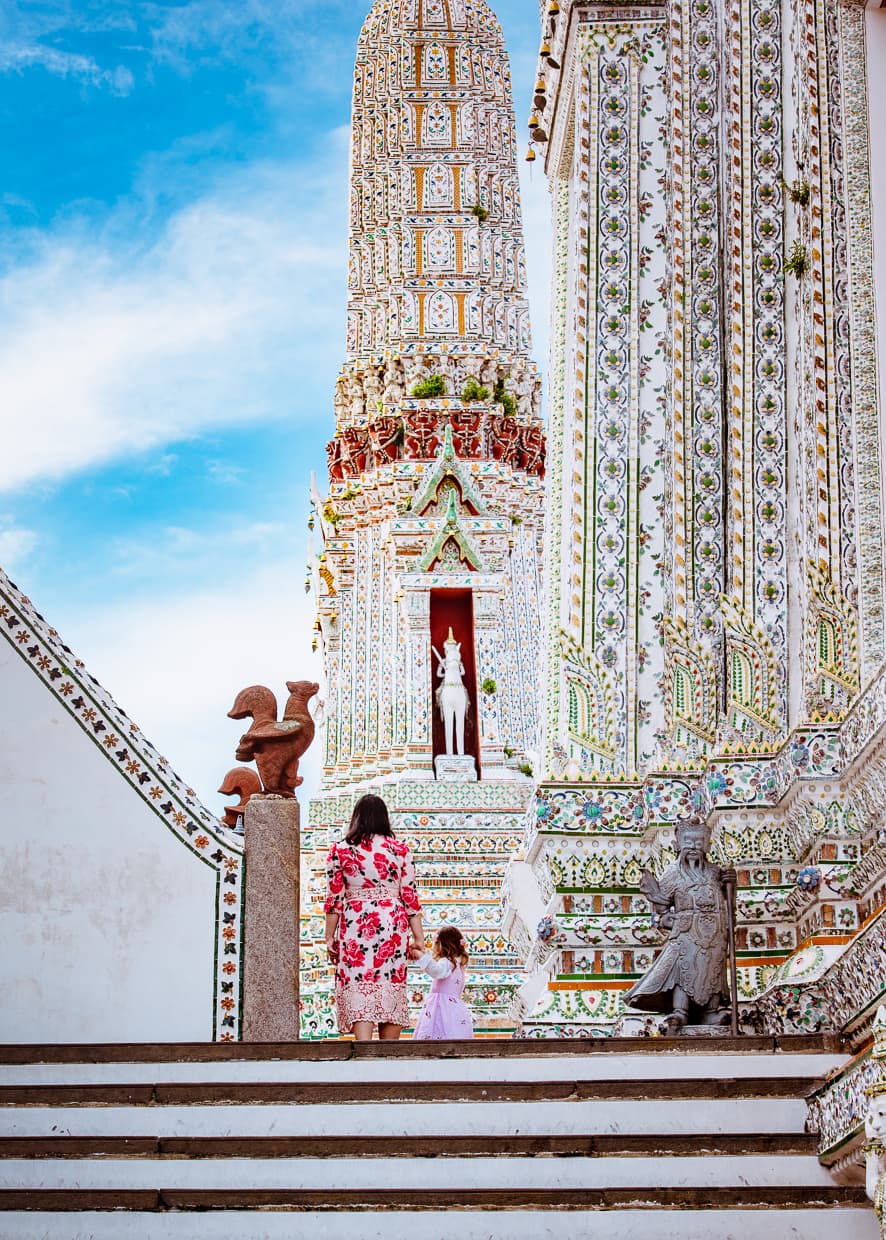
(372, 888)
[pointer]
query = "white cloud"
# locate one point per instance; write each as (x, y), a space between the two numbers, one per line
(210, 31)
(16, 544)
(18, 58)
(181, 553)
(225, 472)
(176, 664)
(235, 312)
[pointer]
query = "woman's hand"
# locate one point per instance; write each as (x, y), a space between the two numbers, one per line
(414, 951)
(332, 949)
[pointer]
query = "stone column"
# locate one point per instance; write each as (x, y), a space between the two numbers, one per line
(490, 657)
(420, 697)
(271, 930)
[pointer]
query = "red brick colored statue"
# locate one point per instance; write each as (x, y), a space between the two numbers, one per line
(334, 459)
(422, 440)
(276, 747)
(504, 434)
(466, 427)
(386, 436)
(241, 781)
(531, 454)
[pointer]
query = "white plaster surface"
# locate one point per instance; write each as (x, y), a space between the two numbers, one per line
(413, 1173)
(566, 1068)
(842, 1224)
(396, 1119)
(107, 920)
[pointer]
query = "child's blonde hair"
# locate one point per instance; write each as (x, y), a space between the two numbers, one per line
(451, 945)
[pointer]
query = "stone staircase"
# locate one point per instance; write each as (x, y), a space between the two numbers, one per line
(626, 1138)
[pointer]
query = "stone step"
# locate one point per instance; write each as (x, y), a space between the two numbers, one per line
(587, 1066)
(152, 1220)
(636, 1117)
(240, 1093)
(608, 1145)
(477, 1174)
(448, 1198)
(493, 1048)
(682, 1139)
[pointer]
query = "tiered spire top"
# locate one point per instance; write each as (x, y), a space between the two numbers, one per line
(436, 245)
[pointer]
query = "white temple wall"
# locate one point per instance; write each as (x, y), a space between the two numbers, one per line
(108, 923)
(875, 21)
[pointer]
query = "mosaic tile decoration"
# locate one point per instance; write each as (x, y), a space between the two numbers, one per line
(738, 131)
(150, 778)
(435, 487)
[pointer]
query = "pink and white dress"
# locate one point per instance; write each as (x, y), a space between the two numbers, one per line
(444, 1016)
(372, 888)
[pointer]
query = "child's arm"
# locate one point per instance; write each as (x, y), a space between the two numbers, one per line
(433, 966)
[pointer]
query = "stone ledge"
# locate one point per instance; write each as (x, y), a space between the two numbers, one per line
(183, 1052)
(751, 1197)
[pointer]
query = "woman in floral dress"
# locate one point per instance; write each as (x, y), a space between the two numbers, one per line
(371, 907)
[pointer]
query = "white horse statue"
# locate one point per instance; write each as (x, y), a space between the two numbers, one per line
(452, 696)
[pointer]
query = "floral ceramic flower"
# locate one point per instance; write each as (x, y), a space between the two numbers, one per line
(809, 879)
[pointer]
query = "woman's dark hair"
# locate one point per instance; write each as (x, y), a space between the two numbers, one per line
(370, 817)
(450, 945)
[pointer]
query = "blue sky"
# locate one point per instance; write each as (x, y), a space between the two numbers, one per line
(172, 292)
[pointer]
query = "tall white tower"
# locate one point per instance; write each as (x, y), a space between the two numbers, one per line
(434, 511)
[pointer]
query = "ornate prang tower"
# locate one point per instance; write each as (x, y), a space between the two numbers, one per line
(715, 538)
(434, 513)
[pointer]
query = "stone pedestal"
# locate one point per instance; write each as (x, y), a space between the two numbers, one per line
(458, 768)
(271, 899)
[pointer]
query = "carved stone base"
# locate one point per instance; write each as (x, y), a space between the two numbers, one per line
(457, 768)
(655, 1025)
(270, 971)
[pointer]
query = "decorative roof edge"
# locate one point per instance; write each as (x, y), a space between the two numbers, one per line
(447, 465)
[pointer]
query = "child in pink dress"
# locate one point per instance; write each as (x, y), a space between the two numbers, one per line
(444, 1015)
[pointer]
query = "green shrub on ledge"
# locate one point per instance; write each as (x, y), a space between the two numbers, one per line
(426, 389)
(505, 399)
(474, 391)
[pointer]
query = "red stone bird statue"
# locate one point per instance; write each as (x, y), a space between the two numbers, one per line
(243, 782)
(276, 747)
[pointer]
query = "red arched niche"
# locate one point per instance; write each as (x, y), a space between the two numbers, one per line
(455, 608)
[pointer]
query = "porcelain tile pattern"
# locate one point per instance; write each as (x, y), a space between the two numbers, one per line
(715, 583)
(435, 483)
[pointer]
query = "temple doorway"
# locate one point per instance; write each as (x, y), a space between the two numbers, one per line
(455, 609)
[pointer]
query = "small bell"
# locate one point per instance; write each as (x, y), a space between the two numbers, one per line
(553, 8)
(540, 87)
(530, 156)
(534, 122)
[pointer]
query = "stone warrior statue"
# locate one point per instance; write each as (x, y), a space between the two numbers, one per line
(689, 974)
(452, 696)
